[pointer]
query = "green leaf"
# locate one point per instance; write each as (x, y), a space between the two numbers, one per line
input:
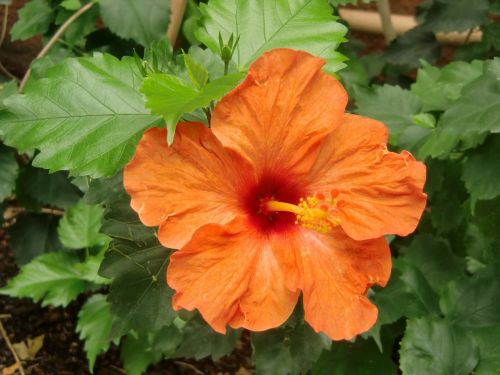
(37, 187)
(486, 217)
(86, 116)
(137, 353)
(472, 301)
(489, 350)
(32, 235)
(266, 24)
(7, 89)
(409, 48)
(192, 19)
(476, 112)
(71, 4)
(105, 191)
(432, 346)
(408, 293)
(432, 256)
(136, 263)
(354, 358)
(160, 57)
(197, 72)
(55, 56)
(131, 19)
(424, 120)
(491, 35)
(8, 172)
(51, 278)
(199, 341)
(172, 97)
(395, 107)
(480, 173)
(76, 32)
(455, 15)
(80, 225)
(34, 18)
(94, 327)
(212, 62)
(438, 88)
(288, 350)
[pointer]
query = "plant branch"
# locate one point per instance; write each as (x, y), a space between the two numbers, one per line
(54, 39)
(4, 23)
(11, 348)
(5, 71)
(178, 7)
(384, 10)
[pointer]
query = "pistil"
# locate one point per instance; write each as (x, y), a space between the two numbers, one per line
(314, 212)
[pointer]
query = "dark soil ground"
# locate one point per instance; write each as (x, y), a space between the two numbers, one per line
(62, 352)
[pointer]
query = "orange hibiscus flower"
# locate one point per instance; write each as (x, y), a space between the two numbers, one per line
(284, 194)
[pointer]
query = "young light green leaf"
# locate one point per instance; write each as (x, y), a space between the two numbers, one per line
(433, 346)
(94, 327)
(86, 116)
(8, 172)
(34, 18)
(481, 170)
(266, 24)
(172, 97)
(71, 4)
(132, 19)
(198, 74)
(136, 263)
(212, 62)
(424, 120)
(51, 278)
(80, 225)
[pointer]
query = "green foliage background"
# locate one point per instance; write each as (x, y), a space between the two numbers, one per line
(93, 95)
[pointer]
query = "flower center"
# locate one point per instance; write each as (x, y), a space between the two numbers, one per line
(318, 213)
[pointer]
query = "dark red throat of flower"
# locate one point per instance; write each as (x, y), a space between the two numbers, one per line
(277, 204)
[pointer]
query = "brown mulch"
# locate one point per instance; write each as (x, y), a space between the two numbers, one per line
(62, 351)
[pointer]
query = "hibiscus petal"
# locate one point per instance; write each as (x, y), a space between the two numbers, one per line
(337, 271)
(381, 192)
(285, 105)
(232, 275)
(180, 188)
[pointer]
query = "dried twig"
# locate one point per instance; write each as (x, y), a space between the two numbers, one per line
(54, 39)
(189, 366)
(7, 73)
(384, 10)
(11, 348)
(178, 8)
(4, 23)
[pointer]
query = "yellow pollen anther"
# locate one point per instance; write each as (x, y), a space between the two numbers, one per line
(317, 212)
